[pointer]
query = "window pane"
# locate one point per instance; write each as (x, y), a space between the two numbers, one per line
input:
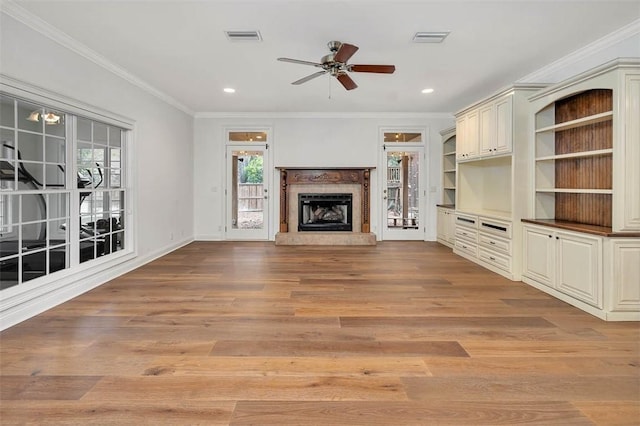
(115, 136)
(30, 117)
(55, 150)
(30, 146)
(6, 148)
(114, 180)
(402, 137)
(7, 115)
(100, 133)
(54, 176)
(33, 207)
(58, 206)
(54, 123)
(58, 259)
(33, 235)
(248, 136)
(58, 233)
(34, 265)
(84, 129)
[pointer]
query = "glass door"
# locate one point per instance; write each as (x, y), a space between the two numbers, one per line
(247, 192)
(402, 201)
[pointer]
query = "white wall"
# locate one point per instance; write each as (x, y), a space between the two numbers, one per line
(163, 135)
(310, 140)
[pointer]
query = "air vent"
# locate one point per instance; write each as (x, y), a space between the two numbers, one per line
(430, 37)
(243, 35)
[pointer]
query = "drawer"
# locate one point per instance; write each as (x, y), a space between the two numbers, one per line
(468, 234)
(502, 262)
(495, 243)
(467, 247)
(466, 220)
(496, 227)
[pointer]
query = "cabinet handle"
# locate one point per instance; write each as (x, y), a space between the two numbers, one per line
(492, 243)
(557, 238)
(550, 236)
(492, 258)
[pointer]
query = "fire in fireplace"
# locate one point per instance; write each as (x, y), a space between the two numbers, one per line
(324, 212)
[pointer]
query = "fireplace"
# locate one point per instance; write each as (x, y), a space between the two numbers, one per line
(325, 212)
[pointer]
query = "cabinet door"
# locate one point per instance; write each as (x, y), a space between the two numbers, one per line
(539, 254)
(579, 267)
(451, 227)
(472, 127)
(486, 130)
(441, 225)
(461, 137)
(504, 123)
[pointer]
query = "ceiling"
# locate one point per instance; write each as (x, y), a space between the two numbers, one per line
(180, 47)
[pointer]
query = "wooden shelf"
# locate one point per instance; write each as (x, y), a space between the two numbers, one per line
(575, 190)
(580, 122)
(449, 171)
(576, 155)
(449, 153)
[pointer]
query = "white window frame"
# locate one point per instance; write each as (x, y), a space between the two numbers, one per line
(37, 95)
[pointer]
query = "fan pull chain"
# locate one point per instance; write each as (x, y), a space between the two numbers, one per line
(329, 87)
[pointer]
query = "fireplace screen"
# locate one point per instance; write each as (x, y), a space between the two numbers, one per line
(324, 212)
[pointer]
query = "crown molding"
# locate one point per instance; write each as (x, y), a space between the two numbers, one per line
(22, 15)
(347, 115)
(602, 43)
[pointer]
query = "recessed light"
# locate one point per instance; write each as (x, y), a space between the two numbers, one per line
(229, 90)
(427, 90)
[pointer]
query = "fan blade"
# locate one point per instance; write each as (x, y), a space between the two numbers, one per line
(345, 52)
(346, 81)
(297, 61)
(309, 77)
(381, 69)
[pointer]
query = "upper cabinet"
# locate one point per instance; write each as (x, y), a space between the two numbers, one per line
(486, 129)
(587, 148)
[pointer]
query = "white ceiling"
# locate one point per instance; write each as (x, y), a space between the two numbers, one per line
(180, 48)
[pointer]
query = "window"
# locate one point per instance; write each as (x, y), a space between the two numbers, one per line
(38, 185)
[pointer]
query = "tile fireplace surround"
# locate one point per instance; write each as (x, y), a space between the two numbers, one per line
(296, 180)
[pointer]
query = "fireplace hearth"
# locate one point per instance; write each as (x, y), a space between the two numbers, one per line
(325, 212)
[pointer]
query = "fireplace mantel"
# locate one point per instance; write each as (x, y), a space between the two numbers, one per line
(322, 175)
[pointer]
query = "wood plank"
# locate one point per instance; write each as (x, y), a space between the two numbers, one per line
(45, 387)
(405, 413)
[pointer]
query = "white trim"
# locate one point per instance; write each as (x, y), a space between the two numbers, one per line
(584, 52)
(32, 93)
(15, 310)
(332, 114)
(20, 14)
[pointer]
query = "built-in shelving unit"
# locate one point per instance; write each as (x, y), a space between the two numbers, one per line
(582, 240)
(574, 152)
(449, 166)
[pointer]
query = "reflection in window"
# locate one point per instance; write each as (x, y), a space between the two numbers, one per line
(248, 136)
(402, 137)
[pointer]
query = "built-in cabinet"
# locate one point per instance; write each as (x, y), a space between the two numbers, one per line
(446, 213)
(582, 241)
(449, 143)
(493, 178)
(446, 226)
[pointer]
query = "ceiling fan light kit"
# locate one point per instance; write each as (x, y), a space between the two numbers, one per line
(335, 64)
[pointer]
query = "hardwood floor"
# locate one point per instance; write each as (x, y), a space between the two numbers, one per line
(402, 333)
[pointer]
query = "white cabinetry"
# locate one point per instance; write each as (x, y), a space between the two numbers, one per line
(493, 177)
(598, 274)
(566, 261)
(586, 192)
(446, 226)
(486, 241)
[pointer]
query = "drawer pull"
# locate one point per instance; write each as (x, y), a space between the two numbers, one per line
(492, 243)
(492, 258)
(499, 228)
(465, 234)
(462, 219)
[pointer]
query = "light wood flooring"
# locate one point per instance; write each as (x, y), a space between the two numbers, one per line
(402, 333)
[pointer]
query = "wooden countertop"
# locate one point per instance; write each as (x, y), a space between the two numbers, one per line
(602, 231)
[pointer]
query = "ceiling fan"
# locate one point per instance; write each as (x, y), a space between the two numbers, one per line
(335, 63)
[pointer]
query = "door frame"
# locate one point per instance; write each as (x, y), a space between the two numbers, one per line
(418, 234)
(268, 174)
